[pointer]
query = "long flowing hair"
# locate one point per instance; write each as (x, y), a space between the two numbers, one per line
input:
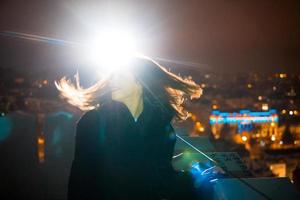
(162, 87)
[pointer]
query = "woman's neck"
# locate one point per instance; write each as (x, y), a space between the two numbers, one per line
(135, 104)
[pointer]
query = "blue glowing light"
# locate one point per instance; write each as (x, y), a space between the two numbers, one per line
(195, 166)
(201, 173)
(5, 128)
(244, 117)
(58, 128)
(62, 113)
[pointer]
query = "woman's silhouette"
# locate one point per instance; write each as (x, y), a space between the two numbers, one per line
(124, 142)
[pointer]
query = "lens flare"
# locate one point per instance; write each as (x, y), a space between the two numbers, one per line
(111, 50)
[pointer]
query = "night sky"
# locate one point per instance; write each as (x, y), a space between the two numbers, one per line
(256, 35)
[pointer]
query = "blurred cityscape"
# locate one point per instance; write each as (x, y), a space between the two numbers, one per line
(254, 114)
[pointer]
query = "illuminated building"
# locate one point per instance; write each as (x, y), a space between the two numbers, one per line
(261, 124)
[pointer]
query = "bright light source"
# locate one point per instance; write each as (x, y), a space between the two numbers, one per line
(295, 112)
(273, 138)
(201, 129)
(215, 107)
(244, 138)
(282, 75)
(265, 106)
(281, 142)
(111, 50)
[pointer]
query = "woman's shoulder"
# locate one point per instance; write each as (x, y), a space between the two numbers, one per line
(165, 116)
(99, 113)
(89, 116)
(93, 115)
(96, 112)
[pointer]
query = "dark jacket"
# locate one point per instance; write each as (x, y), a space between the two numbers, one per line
(118, 158)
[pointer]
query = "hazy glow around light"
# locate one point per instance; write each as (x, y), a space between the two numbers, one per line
(244, 138)
(111, 49)
(273, 138)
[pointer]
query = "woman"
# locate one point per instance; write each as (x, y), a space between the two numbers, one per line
(124, 142)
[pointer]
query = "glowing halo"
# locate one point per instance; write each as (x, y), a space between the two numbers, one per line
(111, 50)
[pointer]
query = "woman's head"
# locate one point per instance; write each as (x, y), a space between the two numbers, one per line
(161, 87)
(123, 85)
